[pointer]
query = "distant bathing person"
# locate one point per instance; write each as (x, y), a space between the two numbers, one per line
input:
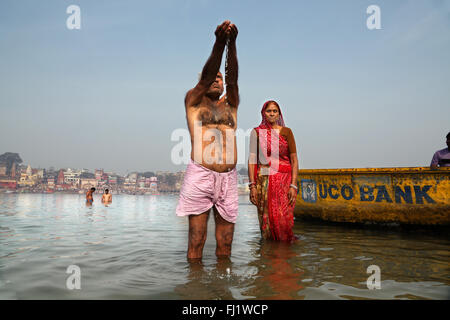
(441, 158)
(89, 196)
(211, 179)
(106, 197)
(272, 170)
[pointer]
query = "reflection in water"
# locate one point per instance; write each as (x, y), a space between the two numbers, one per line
(343, 255)
(136, 248)
(211, 283)
(278, 276)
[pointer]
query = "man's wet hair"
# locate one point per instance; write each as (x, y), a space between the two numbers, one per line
(448, 135)
(106, 190)
(92, 189)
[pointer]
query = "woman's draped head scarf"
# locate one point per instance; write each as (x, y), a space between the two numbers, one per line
(265, 129)
(265, 124)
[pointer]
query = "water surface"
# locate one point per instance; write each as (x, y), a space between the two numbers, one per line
(136, 249)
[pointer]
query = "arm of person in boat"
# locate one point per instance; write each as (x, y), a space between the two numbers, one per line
(211, 68)
(231, 69)
(434, 161)
(252, 163)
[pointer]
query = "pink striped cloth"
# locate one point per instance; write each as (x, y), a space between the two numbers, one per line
(203, 188)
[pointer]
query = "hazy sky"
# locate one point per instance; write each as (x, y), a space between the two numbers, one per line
(110, 94)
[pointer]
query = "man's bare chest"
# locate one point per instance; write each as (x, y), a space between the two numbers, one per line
(215, 115)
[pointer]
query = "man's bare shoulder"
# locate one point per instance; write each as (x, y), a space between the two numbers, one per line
(228, 102)
(186, 98)
(223, 102)
(195, 95)
(193, 108)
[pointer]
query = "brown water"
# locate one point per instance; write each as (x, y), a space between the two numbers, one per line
(136, 249)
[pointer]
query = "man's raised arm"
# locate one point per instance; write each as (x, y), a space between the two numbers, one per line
(231, 70)
(211, 68)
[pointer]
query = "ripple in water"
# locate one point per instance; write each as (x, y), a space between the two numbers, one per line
(136, 249)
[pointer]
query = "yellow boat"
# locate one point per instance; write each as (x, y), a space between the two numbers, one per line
(414, 196)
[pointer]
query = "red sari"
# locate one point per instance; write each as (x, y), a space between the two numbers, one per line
(273, 176)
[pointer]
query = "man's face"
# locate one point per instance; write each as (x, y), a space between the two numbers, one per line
(217, 86)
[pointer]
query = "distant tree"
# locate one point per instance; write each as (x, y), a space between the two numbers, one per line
(147, 174)
(171, 180)
(87, 175)
(9, 158)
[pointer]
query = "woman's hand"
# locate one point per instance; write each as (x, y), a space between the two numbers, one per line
(292, 194)
(254, 196)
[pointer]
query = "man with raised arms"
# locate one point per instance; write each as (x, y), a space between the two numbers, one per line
(210, 179)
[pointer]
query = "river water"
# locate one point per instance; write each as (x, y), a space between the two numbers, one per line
(136, 249)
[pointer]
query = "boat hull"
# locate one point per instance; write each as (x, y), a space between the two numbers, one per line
(417, 196)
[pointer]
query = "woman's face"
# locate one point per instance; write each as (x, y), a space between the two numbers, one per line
(272, 113)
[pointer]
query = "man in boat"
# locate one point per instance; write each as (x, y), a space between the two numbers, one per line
(89, 197)
(211, 180)
(106, 197)
(441, 158)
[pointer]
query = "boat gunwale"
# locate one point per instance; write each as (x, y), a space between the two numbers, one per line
(406, 170)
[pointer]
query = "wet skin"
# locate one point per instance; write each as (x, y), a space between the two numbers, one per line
(212, 121)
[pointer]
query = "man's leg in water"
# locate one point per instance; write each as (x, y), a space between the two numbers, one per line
(197, 235)
(224, 235)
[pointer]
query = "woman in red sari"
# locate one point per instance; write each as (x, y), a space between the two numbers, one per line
(272, 170)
